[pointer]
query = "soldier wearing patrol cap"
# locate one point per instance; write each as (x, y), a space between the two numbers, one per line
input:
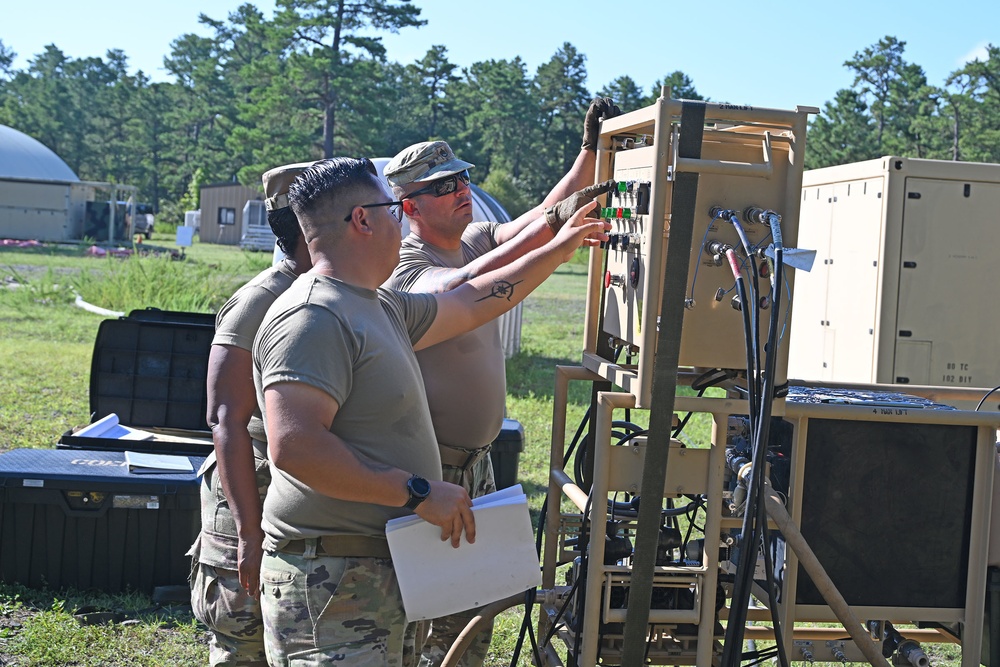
(464, 377)
(226, 555)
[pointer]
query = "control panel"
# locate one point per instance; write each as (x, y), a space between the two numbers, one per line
(749, 176)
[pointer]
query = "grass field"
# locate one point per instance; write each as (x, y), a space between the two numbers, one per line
(45, 348)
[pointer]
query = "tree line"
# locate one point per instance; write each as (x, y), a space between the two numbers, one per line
(314, 81)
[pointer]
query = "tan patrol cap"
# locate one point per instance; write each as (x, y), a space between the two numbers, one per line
(426, 161)
(276, 182)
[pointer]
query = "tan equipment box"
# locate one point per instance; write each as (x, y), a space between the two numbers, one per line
(749, 157)
(901, 290)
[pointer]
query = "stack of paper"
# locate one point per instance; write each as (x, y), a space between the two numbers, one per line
(109, 427)
(436, 579)
(144, 463)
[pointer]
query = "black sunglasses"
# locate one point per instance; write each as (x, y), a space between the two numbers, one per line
(395, 209)
(443, 186)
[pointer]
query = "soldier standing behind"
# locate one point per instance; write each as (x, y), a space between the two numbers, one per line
(465, 377)
(225, 582)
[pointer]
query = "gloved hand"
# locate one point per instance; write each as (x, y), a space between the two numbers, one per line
(600, 108)
(557, 214)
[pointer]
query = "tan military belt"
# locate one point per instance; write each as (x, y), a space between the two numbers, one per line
(458, 457)
(342, 546)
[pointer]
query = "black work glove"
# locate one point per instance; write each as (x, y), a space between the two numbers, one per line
(559, 213)
(600, 108)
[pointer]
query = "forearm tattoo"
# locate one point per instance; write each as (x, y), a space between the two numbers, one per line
(502, 289)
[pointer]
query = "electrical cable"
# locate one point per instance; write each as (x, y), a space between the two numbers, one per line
(687, 417)
(633, 431)
(754, 519)
(534, 644)
(772, 602)
(747, 334)
(749, 534)
(584, 564)
(760, 656)
(561, 611)
(753, 288)
(691, 521)
(576, 437)
(712, 377)
(777, 277)
(988, 394)
(708, 229)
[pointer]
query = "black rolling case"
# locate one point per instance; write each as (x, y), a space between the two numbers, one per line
(82, 519)
(150, 369)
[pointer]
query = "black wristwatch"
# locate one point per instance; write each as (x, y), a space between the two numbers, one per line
(419, 489)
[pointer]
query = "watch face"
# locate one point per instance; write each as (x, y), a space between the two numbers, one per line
(420, 486)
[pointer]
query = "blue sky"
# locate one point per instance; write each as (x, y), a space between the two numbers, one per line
(770, 53)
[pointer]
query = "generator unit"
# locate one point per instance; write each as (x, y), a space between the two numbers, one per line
(677, 552)
(901, 284)
(746, 166)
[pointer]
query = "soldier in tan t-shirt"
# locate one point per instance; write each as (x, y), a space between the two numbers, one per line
(348, 429)
(465, 377)
(226, 555)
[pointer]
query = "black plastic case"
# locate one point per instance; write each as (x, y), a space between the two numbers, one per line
(150, 369)
(81, 519)
(506, 453)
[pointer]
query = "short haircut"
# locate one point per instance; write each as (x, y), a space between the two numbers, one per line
(330, 186)
(286, 229)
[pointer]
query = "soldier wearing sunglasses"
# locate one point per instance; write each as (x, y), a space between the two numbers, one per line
(464, 377)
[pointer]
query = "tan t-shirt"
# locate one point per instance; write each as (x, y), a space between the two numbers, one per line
(354, 344)
(465, 377)
(239, 319)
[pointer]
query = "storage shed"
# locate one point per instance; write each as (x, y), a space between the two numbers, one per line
(221, 208)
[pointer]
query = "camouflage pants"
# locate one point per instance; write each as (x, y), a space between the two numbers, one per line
(237, 636)
(324, 609)
(478, 481)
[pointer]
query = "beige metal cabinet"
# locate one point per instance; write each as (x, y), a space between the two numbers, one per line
(902, 289)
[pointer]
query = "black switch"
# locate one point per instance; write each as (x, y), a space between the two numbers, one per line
(642, 199)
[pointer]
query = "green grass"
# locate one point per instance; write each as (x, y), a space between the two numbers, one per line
(39, 628)
(45, 349)
(46, 342)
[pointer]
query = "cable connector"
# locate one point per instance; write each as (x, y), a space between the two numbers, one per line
(838, 653)
(719, 212)
(805, 648)
(911, 651)
(760, 216)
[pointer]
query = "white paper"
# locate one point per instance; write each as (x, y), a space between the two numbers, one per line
(109, 427)
(436, 579)
(145, 463)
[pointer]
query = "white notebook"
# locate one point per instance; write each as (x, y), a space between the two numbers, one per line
(436, 579)
(145, 463)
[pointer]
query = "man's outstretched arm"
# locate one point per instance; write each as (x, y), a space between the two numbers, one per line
(435, 280)
(579, 175)
(490, 295)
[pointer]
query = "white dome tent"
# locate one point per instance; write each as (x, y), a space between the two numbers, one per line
(42, 199)
(25, 158)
